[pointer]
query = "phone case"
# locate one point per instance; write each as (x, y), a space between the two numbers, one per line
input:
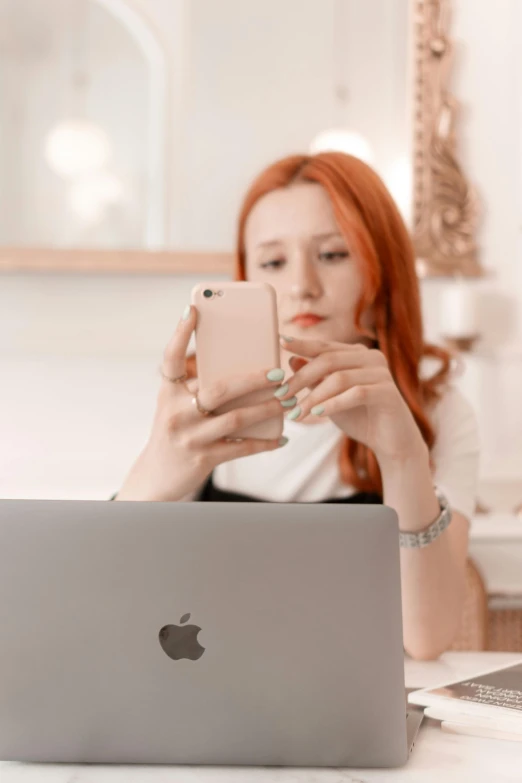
(237, 332)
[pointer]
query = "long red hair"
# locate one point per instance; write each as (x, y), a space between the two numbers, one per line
(370, 222)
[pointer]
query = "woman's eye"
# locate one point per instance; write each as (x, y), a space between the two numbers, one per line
(337, 255)
(275, 263)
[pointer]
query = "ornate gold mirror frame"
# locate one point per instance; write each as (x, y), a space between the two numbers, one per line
(445, 206)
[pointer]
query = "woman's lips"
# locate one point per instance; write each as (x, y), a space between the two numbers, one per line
(305, 320)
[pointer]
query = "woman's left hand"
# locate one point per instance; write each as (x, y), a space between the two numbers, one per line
(353, 385)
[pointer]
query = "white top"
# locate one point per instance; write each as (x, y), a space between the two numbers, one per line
(436, 756)
(307, 468)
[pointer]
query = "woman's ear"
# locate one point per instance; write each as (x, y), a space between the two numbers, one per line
(368, 318)
(369, 330)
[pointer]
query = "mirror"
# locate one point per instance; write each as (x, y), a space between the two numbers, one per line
(80, 117)
(129, 128)
(86, 113)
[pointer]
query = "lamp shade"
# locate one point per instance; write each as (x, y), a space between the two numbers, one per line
(341, 140)
(74, 147)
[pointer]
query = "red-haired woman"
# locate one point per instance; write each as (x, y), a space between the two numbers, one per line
(363, 424)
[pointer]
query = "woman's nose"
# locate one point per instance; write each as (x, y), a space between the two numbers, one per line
(305, 283)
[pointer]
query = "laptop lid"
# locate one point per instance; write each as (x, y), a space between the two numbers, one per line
(250, 633)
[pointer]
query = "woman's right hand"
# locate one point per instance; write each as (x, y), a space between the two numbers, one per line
(184, 445)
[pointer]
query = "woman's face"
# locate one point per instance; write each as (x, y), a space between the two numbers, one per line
(292, 241)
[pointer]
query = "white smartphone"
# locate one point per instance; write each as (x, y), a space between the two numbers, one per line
(237, 332)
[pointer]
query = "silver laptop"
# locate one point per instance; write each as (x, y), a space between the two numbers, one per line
(201, 633)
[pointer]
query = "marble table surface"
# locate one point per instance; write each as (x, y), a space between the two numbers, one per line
(437, 756)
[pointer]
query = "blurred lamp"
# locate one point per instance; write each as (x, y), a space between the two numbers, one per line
(339, 140)
(74, 147)
(91, 194)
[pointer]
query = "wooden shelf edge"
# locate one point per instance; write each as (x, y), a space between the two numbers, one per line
(73, 260)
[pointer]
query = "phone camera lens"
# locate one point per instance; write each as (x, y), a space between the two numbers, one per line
(208, 294)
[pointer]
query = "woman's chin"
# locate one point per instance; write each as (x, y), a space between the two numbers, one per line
(309, 331)
(322, 330)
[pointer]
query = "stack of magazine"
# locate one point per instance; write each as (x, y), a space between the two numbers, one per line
(489, 705)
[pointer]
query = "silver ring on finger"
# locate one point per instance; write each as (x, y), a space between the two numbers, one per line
(200, 408)
(179, 379)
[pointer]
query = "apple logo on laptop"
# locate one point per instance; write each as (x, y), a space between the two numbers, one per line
(181, 641)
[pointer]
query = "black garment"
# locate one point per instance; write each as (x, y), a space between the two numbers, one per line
(211, 493)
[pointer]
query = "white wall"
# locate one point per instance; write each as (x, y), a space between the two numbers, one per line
(78, 376)
(78, 354)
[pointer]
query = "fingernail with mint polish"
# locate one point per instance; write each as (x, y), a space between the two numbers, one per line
(294, 414)
(317, 410)
(289, 403)
(281, 391)
(186, 313)
(283, 441)
(285, 338)
(275, 375)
